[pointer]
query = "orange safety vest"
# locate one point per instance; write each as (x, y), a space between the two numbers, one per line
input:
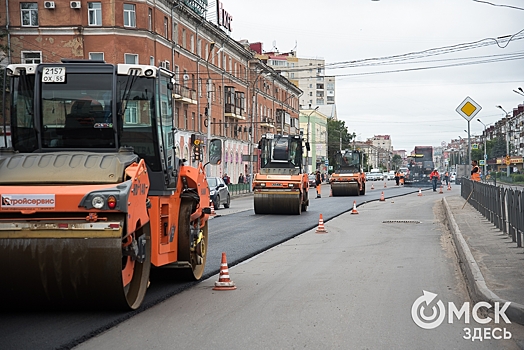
(476, 175)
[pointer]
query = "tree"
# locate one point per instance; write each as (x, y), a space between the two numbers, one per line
(338, 138)
(498, 148)
(396, 161)
(477, 154)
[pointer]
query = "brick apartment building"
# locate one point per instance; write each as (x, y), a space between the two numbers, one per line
(214, 74)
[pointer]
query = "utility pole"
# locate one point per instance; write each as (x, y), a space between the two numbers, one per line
(507, 138)
(209, 104)
(485, 149)
(307, 138)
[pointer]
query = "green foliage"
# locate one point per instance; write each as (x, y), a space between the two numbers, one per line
(477, 154)
(517, 177)
(396, 161)
(338, 138)
(498, 148)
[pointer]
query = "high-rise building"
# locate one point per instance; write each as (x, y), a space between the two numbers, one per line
(308, 74)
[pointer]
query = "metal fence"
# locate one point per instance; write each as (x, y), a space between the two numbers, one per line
(503, 206)
(236, 189)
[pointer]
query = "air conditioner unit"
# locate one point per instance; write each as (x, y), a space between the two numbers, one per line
(75, 4)
(49, 4)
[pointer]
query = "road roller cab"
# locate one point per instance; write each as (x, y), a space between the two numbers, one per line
(348, 179)
(92, 192)
(281, 186)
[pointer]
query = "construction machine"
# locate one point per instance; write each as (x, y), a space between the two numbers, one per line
(420, 165)
(348, 178)
(92, 193)
(281, 186)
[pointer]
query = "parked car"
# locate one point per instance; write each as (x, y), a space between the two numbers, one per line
(218, 192)
(311, 179)
(391, 175)
(373, 176)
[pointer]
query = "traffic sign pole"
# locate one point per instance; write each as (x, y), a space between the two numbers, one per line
(468, 109)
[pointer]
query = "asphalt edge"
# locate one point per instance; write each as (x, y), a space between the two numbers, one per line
(477, 288)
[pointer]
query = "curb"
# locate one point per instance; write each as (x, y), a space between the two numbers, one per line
(478, 290)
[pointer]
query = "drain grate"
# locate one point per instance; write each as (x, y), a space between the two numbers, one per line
(401, 222)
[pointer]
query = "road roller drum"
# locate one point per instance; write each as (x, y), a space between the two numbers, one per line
(345, 189)
(288, 203)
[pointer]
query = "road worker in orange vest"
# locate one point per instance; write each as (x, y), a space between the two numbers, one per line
(475, 171)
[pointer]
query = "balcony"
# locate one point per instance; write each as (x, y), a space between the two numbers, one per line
(267, 122)
(233, 111)
(184, 95)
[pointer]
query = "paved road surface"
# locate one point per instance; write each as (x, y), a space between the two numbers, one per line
(352, 287)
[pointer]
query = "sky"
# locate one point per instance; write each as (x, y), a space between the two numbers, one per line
(412, 100)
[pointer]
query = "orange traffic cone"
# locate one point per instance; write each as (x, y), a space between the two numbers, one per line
(385, 185)
(382, 199)
(420, 192)
(224, 282)
(321, 228)
(354, 211)
(449, 187)
(372, 187)
(331, 192)
(213, 209)
(441, 189)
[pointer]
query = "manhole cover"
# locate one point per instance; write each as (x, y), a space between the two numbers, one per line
(401, 222)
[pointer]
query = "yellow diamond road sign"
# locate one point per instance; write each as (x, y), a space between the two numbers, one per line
(468, 109)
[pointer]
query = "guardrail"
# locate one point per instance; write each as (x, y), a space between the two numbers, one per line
(502, 206)
(236, 189)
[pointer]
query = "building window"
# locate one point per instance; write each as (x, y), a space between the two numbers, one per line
(177, 74)
(94, 13)
(129, 15)
(150, 19)
(165, 26)
(192, 43)
(184, 43)
(131, 114)
(151, 60)
(96, 56)
(31, 57)
(199, 47)
(175, 33)
(130, 58)
(29, 12)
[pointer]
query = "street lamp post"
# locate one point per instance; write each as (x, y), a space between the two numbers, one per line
(254, 109)
(209, 103)
(507, 137)
(485, 149)
(307, 139)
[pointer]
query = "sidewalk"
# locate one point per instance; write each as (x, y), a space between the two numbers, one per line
(492, 264)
